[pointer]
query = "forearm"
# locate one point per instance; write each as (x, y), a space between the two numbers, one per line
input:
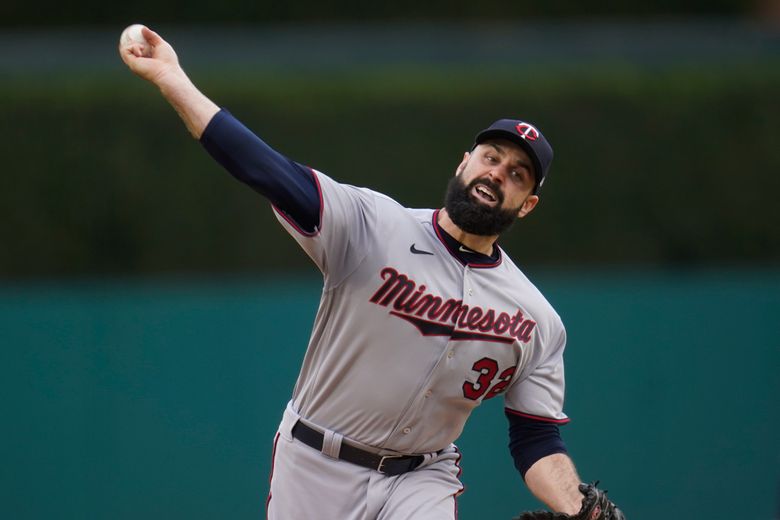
(553, 480)
(194, 108)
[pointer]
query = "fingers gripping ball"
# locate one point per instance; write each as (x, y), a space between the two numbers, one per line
(133, 39)
(595, 506)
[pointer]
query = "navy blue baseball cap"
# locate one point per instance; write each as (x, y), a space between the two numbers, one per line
(528, 137)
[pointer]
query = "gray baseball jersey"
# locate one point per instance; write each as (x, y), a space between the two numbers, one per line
(408, 339)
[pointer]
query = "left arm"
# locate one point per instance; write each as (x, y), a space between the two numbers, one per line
(534, 410)
(553, 479)
(540, 456)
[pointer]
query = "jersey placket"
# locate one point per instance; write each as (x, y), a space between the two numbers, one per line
(413, 414)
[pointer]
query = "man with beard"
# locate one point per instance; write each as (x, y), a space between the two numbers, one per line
(422, 317)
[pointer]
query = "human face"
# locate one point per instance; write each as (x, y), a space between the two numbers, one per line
(493, 186)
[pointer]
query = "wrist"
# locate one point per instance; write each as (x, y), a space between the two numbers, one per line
(172, 82)
(572, 503)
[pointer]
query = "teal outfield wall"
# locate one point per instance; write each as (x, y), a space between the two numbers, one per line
(139, 399)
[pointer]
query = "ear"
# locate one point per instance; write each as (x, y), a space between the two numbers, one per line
(528, 206)
(462, 164)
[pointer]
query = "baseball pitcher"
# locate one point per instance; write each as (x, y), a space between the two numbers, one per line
(422, 317)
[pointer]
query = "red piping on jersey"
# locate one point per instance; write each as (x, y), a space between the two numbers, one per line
(295, 224)
(537, 417)
(439, 231)
(462, 486)
(271, 476)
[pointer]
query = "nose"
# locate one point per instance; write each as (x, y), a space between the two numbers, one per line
(497, 174)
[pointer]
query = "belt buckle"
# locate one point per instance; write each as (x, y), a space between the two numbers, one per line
(382, 461)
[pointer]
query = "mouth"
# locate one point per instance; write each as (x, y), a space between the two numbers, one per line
(484, 194)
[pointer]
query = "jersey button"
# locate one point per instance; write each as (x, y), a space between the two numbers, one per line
(429, 393)
(450, 354)
(407, 430)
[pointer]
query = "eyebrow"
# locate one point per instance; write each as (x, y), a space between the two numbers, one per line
(500, 149)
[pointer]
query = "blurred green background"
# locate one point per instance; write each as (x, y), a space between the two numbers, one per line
(147, 342)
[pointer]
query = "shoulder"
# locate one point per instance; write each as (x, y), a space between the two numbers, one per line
(330, 185)
(386, 211)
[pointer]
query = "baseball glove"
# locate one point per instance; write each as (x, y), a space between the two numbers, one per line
(595, 506)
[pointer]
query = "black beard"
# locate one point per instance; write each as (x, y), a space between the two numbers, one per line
(472, 216)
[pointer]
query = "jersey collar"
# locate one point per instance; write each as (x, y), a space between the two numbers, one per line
(463, 254)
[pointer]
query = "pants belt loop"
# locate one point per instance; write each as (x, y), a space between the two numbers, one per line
(331, 444)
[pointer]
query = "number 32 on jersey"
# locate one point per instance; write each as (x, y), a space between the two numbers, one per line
(489, 383)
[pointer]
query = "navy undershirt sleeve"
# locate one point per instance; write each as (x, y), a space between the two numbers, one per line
(531, 440)
(289, 186)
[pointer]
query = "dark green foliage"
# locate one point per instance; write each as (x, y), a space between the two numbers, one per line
(655, 168)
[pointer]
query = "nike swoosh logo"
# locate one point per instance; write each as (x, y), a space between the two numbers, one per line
(418, 251)
(466, 249)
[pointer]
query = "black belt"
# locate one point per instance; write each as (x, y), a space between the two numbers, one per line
(389, 464)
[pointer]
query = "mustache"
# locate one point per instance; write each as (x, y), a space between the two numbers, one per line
(495, 188)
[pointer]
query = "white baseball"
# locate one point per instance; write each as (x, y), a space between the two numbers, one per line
(132, 36)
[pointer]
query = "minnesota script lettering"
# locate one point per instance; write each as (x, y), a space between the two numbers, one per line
(435, 316)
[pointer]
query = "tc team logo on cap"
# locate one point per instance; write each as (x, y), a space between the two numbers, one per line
(527, 132)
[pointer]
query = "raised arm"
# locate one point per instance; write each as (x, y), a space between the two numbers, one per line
(289, 186)
(162, 69)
